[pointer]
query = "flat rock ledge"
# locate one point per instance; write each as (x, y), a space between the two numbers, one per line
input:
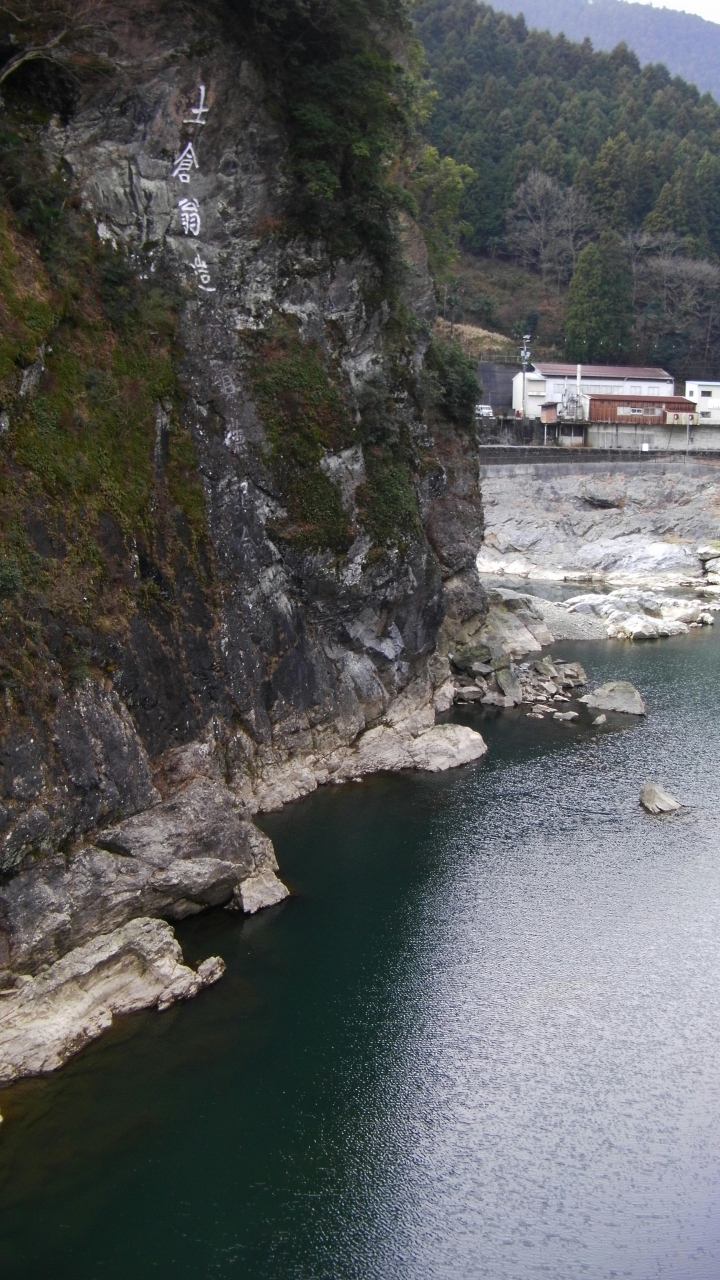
(407, 738)
(47, 1019)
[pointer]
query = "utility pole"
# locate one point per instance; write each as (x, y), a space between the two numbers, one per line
(524, 360)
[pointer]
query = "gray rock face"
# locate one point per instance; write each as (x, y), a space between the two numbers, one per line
(616, 695)
(200, 821)
(514, 625)
(655, 799)
(49, 1018)
(90, 764)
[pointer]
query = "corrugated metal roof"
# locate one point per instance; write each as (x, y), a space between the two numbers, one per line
(599, 371)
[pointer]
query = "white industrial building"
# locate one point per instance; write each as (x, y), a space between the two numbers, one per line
(706, 396)
(567, 384)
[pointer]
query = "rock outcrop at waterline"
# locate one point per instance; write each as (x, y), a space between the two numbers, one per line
(47, 1019)
(616, 695)
(188, 853)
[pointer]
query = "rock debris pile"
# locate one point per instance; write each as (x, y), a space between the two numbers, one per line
(543, 684)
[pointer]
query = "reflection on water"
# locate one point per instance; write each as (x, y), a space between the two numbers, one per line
(480, 1041)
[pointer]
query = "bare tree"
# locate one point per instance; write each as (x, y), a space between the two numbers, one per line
(531, 223)
(576, 225)
(676, 298)
(71, 34)
(548, 225)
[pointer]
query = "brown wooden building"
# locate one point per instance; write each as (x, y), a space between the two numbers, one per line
(651, 411)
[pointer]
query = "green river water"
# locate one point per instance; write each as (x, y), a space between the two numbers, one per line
(481, 1040)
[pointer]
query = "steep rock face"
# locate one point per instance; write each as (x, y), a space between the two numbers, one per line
(60, 779)
(305, 649)
(302, 642)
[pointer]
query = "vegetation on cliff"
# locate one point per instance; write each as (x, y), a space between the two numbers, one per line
(305, 416)
(341, 82)
(92, 529)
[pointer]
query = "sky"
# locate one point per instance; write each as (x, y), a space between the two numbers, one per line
(709, 9)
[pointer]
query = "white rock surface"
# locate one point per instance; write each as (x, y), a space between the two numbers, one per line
(263, 889)
(49, 1018)
(388, 749)
(565, 625)
(627, 613)
(444, 697)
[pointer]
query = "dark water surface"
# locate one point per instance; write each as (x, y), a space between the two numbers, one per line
(482, 1040)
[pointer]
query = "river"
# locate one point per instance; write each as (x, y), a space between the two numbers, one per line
(481, 1040)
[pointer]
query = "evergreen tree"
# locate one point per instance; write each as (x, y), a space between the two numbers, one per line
(598, 313)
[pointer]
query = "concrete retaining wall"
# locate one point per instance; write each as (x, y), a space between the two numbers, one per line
(539, 455)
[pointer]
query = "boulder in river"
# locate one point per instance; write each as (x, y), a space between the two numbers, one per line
(656, 799)
(616, 695)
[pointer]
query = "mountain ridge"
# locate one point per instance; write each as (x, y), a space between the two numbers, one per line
(688, 45)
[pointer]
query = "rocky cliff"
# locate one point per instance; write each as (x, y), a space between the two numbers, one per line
(239, 528)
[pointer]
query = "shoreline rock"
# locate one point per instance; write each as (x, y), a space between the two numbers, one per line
(80, 938)
(183, 855)
(49, 1018)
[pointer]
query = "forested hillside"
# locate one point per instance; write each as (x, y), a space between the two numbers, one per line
(570, 147)
(688, 45)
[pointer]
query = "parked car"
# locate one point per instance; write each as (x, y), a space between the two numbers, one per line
(484, 411)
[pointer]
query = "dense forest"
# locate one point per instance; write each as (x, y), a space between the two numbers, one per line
(688, 45)
(571, 148)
